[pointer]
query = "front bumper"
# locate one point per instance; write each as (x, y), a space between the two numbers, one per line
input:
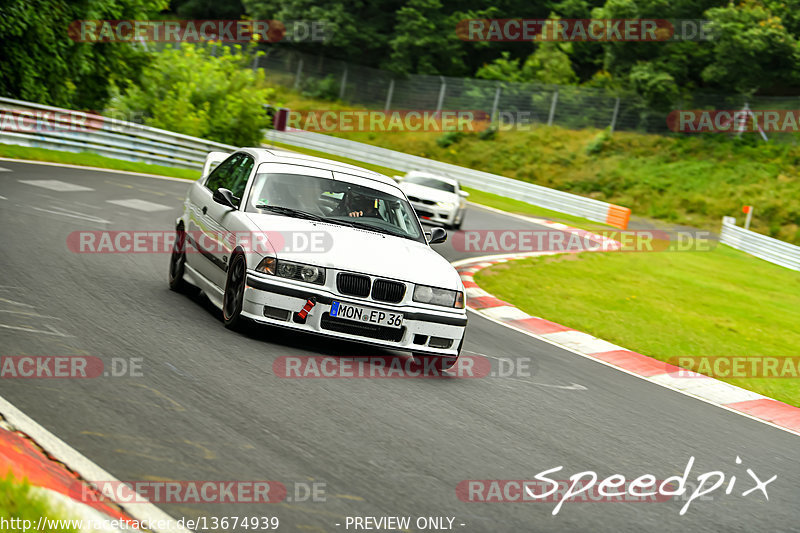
(435, 213)
(273, 301)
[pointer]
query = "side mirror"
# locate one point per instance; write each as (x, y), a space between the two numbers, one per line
(224, 197)
(437, 236)
(463, 194)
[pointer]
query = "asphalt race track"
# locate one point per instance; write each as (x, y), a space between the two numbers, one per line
(208, 406)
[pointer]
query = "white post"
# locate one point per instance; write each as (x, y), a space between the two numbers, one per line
(552, 108)
(749, 217)
(614, 116)
(494, 104)
(297, 76)
(389, 96)
(441, 96)
(344, 83)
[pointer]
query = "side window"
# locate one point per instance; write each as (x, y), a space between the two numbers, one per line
(220, 176)
(239, 176)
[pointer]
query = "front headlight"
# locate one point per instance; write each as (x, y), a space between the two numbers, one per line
(446, 205)
(292, 270)
(431, 295)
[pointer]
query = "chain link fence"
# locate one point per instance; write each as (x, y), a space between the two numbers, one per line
(521, 103)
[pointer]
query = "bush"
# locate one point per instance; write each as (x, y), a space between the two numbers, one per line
(451, 137)
(599, 142)
(188, 90)
(325, 89)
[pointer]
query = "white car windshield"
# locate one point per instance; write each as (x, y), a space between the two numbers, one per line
(334, 201)
(433, 183)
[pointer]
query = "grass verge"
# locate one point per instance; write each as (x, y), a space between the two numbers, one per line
(93, 160)
(667, 304)
(17, 502)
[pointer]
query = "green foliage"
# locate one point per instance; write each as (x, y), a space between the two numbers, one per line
(599, 142)
(41, 63)
(17, 501)
(488, 134)
(449, 138)
(189, 90)
(326, 88)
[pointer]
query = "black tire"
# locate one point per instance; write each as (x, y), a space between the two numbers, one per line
(234, 293)
(177, 261)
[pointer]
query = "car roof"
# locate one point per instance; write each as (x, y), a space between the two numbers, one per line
(264, 155)
(432, 175)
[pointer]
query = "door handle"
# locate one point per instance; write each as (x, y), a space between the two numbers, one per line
(205, 210)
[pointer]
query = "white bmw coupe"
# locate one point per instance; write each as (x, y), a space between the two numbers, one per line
(318, 246)
(435, 198)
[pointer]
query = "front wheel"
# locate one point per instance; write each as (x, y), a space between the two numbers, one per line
(234, 293)
(177, 261)
(457, 225)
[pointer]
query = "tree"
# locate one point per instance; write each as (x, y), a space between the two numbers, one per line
(189, 90)
(41, 63)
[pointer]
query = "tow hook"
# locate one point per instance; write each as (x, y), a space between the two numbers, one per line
(301, 316)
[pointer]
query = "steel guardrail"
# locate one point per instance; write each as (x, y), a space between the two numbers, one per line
(41, 126)
(769, 249)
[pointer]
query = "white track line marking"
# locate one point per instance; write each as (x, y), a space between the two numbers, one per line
(72, 214)
(53, 331)
(28, 314)
(5, 169)
(56, 185)
(110, 171)
(141, 205)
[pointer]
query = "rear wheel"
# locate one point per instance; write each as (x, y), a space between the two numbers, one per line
(234, 293)
(177, 261)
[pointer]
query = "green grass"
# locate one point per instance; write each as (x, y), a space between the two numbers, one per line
(510, 205)
(668, 304)
(17, 502)
(376, 168)
(93, 160)
(685, 179)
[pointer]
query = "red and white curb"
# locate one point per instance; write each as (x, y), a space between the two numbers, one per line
(59, 473)
(710, 390)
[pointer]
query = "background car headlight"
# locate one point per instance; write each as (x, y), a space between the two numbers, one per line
(292, 270)
(432, 295)
(446, 205)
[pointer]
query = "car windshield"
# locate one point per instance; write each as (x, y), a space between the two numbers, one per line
(335, 201)
(433, 183)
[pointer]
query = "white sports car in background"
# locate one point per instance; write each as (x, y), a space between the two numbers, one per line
(318, 246)
(435, 198)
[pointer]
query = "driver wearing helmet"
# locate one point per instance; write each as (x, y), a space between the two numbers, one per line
(360, 205)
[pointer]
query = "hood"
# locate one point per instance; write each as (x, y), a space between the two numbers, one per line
(428, 193)
(357, 250)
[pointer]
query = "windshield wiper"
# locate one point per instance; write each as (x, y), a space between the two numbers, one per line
(288, 211)
(364, 225)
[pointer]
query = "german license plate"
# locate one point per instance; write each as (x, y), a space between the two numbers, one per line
(366, 315)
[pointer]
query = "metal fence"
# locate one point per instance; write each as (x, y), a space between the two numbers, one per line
(567, 105)
(562, 202)
(772, 250)
(41, 126)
